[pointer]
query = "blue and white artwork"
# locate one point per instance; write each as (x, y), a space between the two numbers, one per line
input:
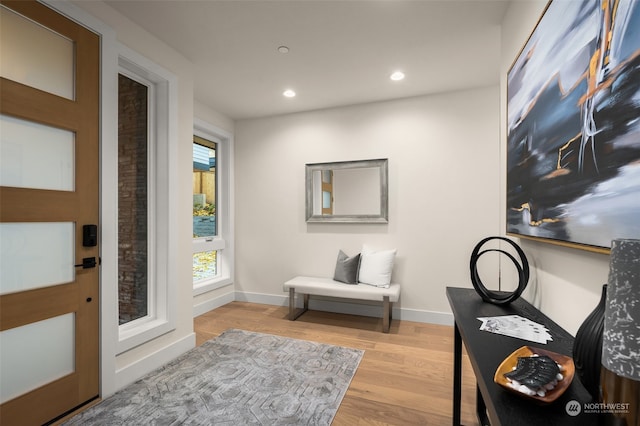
(573, 126)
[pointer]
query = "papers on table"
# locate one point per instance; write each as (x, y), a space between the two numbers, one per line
(516, 326)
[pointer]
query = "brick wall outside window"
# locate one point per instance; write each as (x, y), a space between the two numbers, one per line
(132, 199)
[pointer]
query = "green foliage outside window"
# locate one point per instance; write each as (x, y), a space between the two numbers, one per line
(206, 210)
(204, 265)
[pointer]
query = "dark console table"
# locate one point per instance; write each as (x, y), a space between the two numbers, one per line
(495, 405)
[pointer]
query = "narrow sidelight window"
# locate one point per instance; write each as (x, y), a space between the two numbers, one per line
(133, 213)
(205, 263)
(212, 209)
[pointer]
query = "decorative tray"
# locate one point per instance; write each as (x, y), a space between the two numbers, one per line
(567, 369)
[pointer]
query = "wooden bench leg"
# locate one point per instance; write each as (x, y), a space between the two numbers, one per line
(293, 315)
(386, 314)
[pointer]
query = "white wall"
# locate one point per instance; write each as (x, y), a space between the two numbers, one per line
(569, 281)
(443, 193)
(447, 191)
(213, 117)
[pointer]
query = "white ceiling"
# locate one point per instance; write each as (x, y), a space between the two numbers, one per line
(341, 52)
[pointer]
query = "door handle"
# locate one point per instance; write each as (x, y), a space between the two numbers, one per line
(87, 263)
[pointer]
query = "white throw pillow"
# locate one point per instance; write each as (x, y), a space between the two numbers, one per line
(376, 266)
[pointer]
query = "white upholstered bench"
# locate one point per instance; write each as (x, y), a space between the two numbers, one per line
(328, 287)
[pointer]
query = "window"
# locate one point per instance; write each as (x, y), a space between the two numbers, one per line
(204, 206)
(212, 227)
(133, 215)
(146, 162)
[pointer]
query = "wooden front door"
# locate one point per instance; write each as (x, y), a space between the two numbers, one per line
(49, 195)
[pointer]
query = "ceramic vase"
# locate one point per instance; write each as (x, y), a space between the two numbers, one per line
(587, 348)
(620, 374)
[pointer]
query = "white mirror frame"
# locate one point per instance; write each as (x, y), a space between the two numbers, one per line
(381, 164)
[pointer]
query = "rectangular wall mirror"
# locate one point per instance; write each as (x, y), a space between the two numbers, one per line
(348, 191)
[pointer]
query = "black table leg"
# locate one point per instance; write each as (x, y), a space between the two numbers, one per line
(457, 374)
(481, 409)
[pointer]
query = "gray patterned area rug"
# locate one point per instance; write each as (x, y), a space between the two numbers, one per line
(238, 378)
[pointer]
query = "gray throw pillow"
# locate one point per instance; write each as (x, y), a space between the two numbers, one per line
(347, 268)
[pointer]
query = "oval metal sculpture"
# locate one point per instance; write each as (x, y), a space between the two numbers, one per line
(499, 298)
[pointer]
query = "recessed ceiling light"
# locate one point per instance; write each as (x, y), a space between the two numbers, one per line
(397, 76)
(289, 93)
(283, 49)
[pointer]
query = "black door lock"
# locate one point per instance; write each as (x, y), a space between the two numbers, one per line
(87, 262)
(89, 235)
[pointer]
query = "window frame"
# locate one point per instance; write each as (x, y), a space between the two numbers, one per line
(222, 242)
(162, 142)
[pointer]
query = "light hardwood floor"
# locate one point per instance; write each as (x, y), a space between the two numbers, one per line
(404, 378)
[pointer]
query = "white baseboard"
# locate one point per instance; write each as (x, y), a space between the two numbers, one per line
(342, 306)
(142, 366)
(429, 317)
(266, 299)
(209, 305)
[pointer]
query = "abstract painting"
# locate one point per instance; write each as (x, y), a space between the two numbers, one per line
(573, 126)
